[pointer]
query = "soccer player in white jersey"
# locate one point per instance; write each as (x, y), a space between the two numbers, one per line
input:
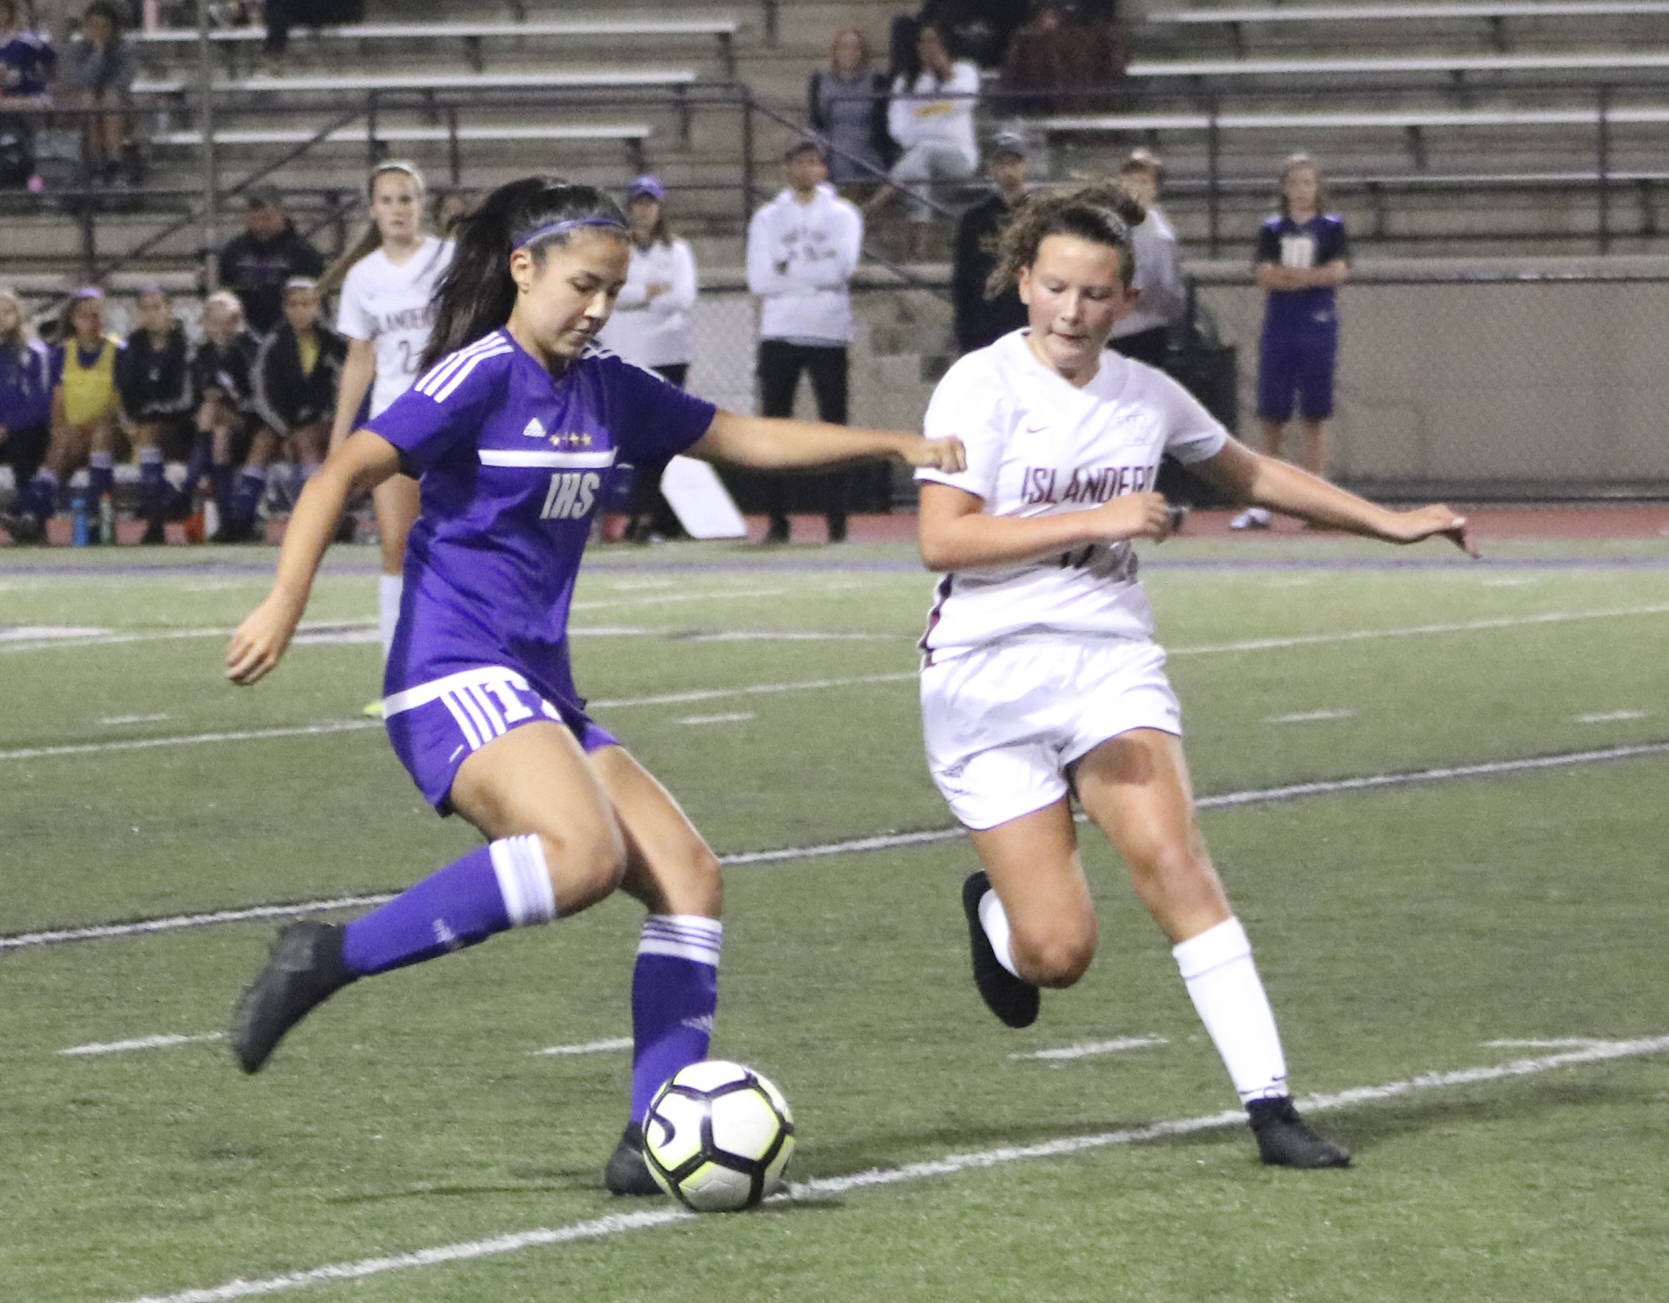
(388, 280)
(1041, 677)
(512, 429)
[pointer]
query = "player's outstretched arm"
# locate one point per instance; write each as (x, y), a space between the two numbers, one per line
(954, 533)
(769, 443)
(365, 460)
(1250, 477)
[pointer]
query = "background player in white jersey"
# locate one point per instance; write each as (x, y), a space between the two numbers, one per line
(1041, 675)
(385, 313)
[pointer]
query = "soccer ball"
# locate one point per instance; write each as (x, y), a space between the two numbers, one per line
(718, 1136)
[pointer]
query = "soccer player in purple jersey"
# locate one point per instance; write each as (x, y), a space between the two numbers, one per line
(511, 431)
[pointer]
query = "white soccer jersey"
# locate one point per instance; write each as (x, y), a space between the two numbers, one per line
(1038, 446)
(389, 305)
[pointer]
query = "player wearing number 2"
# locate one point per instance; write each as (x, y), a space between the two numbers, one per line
(512, 429)
(1041, 676)
(385, 314)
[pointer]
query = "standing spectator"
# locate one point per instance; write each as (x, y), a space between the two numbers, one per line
(28, 372)
(257, 264)
(651, 327)
(153, 379)
(281, 15)
(296, 374)
(1145, 332)
(847, 102)
(27, 64)
(100, 71)
(222, 390)
(802, 251)
(1303, 256)
(981, 319)
(932, 119)
(85, 416)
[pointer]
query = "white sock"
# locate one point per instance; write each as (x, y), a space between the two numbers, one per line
(994, 920)
(1223, 983)
(524, 880)
(388, 608)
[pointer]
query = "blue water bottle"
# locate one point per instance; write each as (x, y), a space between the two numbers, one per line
(78, 520)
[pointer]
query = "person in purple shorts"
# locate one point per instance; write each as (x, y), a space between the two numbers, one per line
(1303, 255)
(511, 431)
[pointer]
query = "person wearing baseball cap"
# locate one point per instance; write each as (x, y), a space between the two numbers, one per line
(270, 251)
(651, 327)
(981, 320)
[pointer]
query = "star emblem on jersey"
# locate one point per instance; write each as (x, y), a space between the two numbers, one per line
(573, 439)
(535, 429)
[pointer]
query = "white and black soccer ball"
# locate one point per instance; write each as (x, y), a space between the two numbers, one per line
(718, 1136)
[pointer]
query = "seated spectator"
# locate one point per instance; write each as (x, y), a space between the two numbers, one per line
(153, 379)
(281, 15)
(257, 264)
(847, 103)
(86, 416)
(295, 379)
(932, 119)
(99, 72)
(1066, 57)
(221, 392)
(27, 376)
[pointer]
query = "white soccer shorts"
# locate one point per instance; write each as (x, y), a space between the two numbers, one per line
(1002, 723)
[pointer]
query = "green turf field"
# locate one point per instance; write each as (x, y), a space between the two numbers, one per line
(409, 1143)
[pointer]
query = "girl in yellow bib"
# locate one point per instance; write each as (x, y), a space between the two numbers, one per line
(86, 412)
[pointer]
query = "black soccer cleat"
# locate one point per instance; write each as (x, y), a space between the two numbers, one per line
(1285, 1141)
(628, 1171)
(304, 969)
(1013, 1000)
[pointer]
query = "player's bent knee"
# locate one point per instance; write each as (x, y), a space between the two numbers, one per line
(586, 865)
(1056, 958)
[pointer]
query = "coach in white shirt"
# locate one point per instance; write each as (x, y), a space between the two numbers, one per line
(802, 250)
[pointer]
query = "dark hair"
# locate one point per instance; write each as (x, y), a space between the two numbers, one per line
(476, 293)
(104, 9)
(1104, 213)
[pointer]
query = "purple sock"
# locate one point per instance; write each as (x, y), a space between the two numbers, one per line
(152, 484)
(220, 484)
(675, 991)
(197, 463)
(40, 496)
(501, 885)
(101, 475)
(247, 496)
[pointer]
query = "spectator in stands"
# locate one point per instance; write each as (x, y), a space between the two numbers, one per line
(27, 65)
(28, 372)
(221, 387)
(281, 15)
(99, 70)
(1066, 56)
(153, 379)
(981, 319)
(1145, 332)
(295, 378)
(847, 103)
(259, 263)
(1303, 256)
(932, 119)
(802, 251)
(86, 417)
(651, 327)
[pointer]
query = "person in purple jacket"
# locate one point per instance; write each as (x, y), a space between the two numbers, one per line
(1303, 255)
(511, 431)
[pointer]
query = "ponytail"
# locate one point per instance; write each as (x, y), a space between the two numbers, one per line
(370, 240)
(475, 294)
(1104, 213)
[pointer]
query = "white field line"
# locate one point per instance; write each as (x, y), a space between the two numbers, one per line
(1086, 1049)
(161, 1042)
(188, 739)
(1545, 1043)
(734, 717)
(858, 845)
(950, 1165)
(48, 632)
(1608, 717)
(132, 719)
(1310, 717)
(666, 599)
(588, 1047)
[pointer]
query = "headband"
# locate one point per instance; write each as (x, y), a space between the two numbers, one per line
(568, 224)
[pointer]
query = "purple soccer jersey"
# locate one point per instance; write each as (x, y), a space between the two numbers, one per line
(512, 461)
